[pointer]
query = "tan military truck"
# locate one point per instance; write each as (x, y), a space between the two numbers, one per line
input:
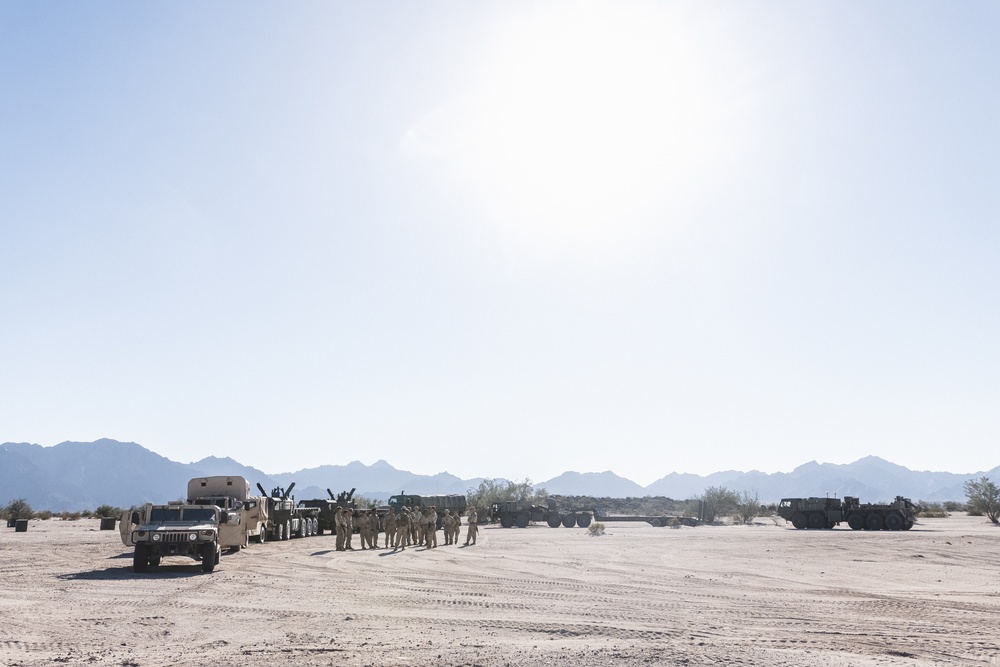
(233, 495)
(175, 529)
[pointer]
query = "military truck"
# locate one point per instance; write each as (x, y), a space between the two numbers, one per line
(327, 509)
(453, 502)
(520, 513)
(232, 494)
(285, 519)
(818, 513)
(175, 529)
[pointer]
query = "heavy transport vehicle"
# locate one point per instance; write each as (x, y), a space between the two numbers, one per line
(285, 519)
(440, 503)
(175, 529)
(326, 509)
(819, 513)
(232, 493)
(520, 513)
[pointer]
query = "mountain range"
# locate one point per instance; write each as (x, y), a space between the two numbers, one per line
(73, 476)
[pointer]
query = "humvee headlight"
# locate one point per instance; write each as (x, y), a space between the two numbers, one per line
(206, 533)
(192, 536)
(140, 533)
(156, 537)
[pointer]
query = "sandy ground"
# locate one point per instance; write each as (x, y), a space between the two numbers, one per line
(638, 595)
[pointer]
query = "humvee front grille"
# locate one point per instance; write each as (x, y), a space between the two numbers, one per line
(174, 537)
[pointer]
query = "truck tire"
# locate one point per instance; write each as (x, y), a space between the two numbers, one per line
(817, 520)
(262, 535)
(303, 527)
(856, 521)
(907, 525)
(154, 560)
(583, 520)
(894, 521)
(209, 556)
(319, 530)
(140, 559)
(569, 520)
(523, 520)
(656, 523)
(799, 520)
(554, 521)
(506, 520)
(873, 521)
(288, 529)
(279, 533)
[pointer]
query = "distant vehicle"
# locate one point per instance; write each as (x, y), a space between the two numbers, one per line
(819, 513)
(520, 513)
(176, 529)
(285, 519)
(440, 503)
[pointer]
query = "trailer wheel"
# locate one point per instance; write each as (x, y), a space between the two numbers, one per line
(874, 521)
(817, 520)
(799, 520)
(140, 559)
(583, 520)
(856, 521)
(209, 552)
(894, 521)
(656, 523)
(506, 520)
(554, 521)
(569, 520)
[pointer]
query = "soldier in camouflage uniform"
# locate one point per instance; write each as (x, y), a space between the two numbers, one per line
(470, 534)
(340, 525)
(430, 527)
(448, 523)
(372, 529)
(456, 527)
(390, 529)
(349, 534)
(362, 525)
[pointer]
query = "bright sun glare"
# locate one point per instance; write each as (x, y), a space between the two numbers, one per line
(593, 122)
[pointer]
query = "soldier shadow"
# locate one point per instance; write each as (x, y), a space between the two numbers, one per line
(322, 553)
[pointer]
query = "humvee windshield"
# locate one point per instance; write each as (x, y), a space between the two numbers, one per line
(162, 514)
(199, 514)
(168, 514)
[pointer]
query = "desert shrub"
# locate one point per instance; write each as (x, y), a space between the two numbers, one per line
(718, 501)
(69, 516)
(984, 498)
(496, 490)
(107, 511)
(363, 503)
(747, 507)
(954, 506)
(596, 528)
(17, 509)
(932, 510)
(44, 515)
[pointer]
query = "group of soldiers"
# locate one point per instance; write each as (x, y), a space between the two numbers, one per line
(411, 526)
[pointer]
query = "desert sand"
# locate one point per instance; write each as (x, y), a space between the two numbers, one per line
(729, 595)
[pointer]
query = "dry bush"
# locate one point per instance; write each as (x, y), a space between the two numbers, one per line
(596, 528)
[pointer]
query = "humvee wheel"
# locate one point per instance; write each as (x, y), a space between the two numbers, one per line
(554, 521)
(506, 520)
(799, 520)
(522, 520)
(894, 521)
(856, 521)
(569, 520)
(873, 521)
(154, 560)
(583, 520)
(140, 559)
(817, 520)
(209, 554)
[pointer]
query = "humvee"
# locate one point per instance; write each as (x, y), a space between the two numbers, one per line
(175, 529)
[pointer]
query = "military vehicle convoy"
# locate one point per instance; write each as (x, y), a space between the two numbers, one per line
(175, 529)
(820, 513)
(232, 494)
(285, 519)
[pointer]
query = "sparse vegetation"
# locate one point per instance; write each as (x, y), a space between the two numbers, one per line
(70, 516)
(719, 502)
(748, 507)
(932, 510)
(43, 515)
(984, 498)
(17, 509)
(596, 528)
(107, 511)
(495, 490)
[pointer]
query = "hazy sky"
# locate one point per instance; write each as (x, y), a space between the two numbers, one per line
(504, 239)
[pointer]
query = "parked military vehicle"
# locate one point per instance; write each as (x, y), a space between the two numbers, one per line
(232, 494)
(327, 509)
(819, 513)
(175, 529)
(285, 519)
(453, 502)
(520, 513)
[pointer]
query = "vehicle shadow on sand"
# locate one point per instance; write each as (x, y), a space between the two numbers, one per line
(118, 573)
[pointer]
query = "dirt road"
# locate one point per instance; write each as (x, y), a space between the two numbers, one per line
(739, 595)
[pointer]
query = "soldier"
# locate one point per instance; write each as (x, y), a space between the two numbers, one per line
(349, 529)
(402, 529)
(363, 528)
(473, 528)
(448, 522)
(340, 526)
(390, 529)
(372, 529)
(430, 527)
(456, 527)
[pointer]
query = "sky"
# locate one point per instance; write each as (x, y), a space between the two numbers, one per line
(504, 239)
